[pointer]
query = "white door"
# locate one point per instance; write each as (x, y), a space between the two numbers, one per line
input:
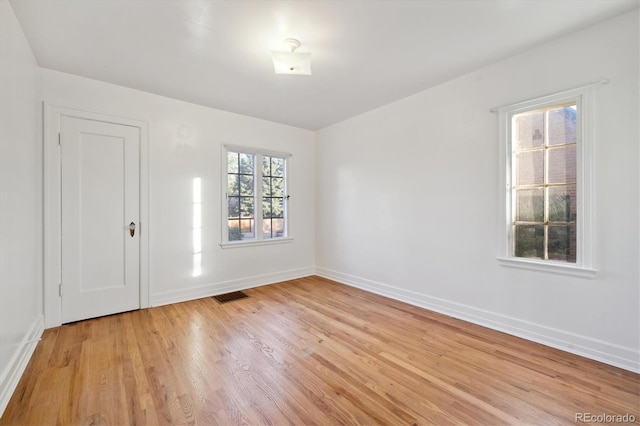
(100, 188)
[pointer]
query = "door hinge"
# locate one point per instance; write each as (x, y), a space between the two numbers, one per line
(60, 289)
(59, 138)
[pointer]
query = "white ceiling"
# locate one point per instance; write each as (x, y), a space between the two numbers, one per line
(364, 53)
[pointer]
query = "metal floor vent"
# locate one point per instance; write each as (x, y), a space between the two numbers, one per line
(229, 297)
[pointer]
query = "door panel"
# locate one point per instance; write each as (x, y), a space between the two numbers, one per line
(102, 180)
(100, 198)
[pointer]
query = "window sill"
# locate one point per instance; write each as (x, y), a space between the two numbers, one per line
(550, 267)
(238, 244)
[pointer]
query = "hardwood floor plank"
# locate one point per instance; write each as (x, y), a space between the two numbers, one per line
(307, 351)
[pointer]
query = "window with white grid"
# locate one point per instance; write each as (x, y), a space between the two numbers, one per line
(547, 199)
(255, 206)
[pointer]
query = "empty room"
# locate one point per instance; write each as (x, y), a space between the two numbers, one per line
(386, 212)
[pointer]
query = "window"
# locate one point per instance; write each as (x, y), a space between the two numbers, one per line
(255, 205)
(547, 202)
(273, 197)
(543, 186)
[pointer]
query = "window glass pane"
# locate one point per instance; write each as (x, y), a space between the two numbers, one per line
(530, 205)
(277, 187)
(529, 130)
(247, 229)
(529, 241)
(562, 165)
(266, 165)
(266, 186)
(529, 167)
(246, 206)
(562, 204)
(277, 166)
(246, 164)
(234, 230)
(246, 185)
(277, 228)
(266, 229)
(234, 207)
(562, 125)
(277, 207)
(232, 162)
(232, 185)
(266, 207)
(562, 243)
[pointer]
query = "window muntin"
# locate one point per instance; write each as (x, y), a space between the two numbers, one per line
(252, 176)
(544, 182)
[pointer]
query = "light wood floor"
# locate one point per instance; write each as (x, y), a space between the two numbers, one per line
(307, 351)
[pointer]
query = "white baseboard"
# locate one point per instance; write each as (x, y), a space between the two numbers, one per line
(222, 287)
(608, 353)
(14, 370)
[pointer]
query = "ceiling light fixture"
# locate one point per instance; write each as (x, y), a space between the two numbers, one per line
(291, 62)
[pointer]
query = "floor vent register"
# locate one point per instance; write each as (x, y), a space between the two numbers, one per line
(229, 297)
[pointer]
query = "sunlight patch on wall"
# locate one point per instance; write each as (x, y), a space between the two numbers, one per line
(197, 227)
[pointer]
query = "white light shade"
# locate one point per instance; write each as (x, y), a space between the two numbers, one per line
(291, 63)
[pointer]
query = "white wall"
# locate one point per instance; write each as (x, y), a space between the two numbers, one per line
(185, 142)
(407, 199)
(20, 203)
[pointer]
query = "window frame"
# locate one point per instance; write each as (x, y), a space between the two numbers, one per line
(258, 195)
(585, 256)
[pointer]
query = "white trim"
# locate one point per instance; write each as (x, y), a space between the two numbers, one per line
(51, 205)
(585, 232)
(14, 370)
(213, 289)
(238, 244)
(608, 353)
(255, 151)
(547, 266)
(553, 95)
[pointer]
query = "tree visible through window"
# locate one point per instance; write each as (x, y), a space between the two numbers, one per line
(544, 196)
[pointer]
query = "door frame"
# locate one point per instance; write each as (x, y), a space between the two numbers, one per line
(52, 252)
